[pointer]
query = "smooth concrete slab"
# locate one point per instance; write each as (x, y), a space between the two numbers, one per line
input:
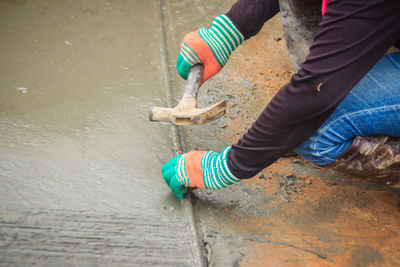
(80, 180)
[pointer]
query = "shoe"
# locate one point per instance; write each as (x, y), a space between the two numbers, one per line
(374, 158)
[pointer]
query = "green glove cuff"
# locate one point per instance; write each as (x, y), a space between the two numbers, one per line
(216, 173)
(222, 37)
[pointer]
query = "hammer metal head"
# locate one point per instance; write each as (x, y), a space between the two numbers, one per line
(186, 112)
(188, 115)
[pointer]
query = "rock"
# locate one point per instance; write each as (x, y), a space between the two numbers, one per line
(262, 177)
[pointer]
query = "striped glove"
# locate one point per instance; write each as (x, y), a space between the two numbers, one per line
(211, 47)
(198, 169)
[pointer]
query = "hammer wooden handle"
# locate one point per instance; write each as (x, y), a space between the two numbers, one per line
(186, 112)
(193, 81)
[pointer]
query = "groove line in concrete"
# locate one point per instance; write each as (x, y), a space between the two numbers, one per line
(177, 140)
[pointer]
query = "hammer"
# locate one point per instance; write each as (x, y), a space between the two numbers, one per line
(186, 112)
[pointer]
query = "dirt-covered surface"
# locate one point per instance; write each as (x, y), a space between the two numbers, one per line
(291, 214)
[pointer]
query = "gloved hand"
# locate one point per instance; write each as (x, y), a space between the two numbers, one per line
(198, 169)
(211, 47)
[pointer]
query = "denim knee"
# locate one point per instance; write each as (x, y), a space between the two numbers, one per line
(322, 151)
(372, 107)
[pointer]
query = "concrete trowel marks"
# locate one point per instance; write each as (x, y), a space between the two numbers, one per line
(80, 180)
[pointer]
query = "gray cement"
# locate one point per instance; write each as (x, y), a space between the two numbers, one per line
(80, 180)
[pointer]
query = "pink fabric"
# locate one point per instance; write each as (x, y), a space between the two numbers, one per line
(324, 3)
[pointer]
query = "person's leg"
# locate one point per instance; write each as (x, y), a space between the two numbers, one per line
(371, 108)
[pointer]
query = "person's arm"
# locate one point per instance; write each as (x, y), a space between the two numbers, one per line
(212, 47)
(352, 37)
(250, 15)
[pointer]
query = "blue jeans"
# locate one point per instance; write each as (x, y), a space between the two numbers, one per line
(372, 107)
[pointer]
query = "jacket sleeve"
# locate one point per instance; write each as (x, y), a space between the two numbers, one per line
(250, 15)
(352, 37)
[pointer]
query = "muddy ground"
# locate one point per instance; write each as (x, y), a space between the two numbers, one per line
(292, 213)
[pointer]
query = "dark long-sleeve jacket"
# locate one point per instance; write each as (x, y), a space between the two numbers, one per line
(352, 37)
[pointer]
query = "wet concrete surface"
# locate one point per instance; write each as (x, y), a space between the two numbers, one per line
(80, 163)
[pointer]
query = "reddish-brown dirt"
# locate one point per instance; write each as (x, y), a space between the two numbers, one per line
(309, 220)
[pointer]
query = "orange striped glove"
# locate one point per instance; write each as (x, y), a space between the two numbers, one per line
(198, 169)
(211, 47)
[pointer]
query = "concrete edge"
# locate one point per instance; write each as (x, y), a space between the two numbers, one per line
(177, 142)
